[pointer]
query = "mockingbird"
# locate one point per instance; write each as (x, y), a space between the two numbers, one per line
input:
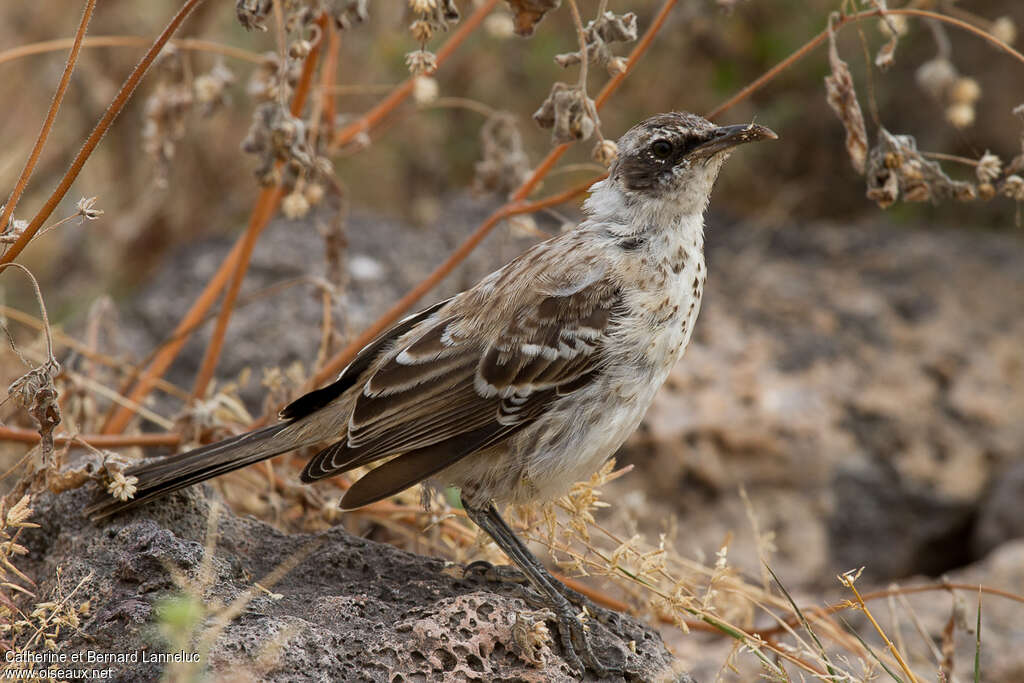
(527, 382)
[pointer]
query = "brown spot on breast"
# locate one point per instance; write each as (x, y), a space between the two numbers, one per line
(679, 261)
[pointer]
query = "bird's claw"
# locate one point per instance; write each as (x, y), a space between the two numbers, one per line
(484, 570)
(576, 647)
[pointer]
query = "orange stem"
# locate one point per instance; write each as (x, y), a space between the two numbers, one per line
(265, 207)
(45, 46)
(51, 114)
(817, 40)
(266, 204)
(511, 208)
(163, 358)
(404, 89)
(94, 440)
(109, 115)
(328, 74)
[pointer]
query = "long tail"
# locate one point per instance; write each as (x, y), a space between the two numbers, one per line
(178, 471)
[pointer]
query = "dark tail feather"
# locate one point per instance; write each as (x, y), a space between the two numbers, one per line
(178, 471)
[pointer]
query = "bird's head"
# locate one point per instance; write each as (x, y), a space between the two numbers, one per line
(675, 158)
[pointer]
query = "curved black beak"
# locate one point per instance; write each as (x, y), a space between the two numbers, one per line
(727, 137)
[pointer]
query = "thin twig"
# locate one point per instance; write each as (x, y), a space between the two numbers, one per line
(817, 40)
(266, 204)
(51, 114)
(264, 210)
(328, 74)
(122, 97)
(371, 118)
(460, 103)
(192, 44)
(62, 339)
(42, 308)
(96, 440)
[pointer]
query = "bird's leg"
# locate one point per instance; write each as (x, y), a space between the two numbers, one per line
(511, 575)
(570, 630)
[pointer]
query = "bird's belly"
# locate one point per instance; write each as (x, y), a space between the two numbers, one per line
(581, 435)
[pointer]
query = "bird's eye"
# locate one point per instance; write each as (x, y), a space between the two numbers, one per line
(661, 149)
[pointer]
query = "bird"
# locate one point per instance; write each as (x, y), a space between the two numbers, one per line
(525, 383)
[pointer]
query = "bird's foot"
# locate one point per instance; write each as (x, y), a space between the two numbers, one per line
(572, 631)
(575, 639)
(494, 573)
(509, 574)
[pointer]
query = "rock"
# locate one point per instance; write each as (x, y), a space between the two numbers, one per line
(349, 609)
(920, 532)
(866, 377)
(1001, 517)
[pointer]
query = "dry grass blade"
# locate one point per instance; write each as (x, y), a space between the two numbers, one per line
(806, 624)
(19, 435)
(870, 650)
(977, 642)
(849, 580)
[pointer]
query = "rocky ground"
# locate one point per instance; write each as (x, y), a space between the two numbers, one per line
(344, 608)
(863, 383)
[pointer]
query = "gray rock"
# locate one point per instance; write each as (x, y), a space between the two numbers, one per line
(349, 610)
(1001, 517)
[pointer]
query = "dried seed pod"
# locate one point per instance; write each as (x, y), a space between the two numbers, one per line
(1004, 29)
(989, 167)
(421, 62)
(499, 25)
(892, 25)
(960, 114)
(505, 165)
(896, 167)
(432, 16)
(210, 89)
(528, 13)
(599, 33)
(605, 152)
(842, 99)
(1013, 187)
(276, 135)
(421, 30)
(295, 205)
(299, 49)
(252, 14)
(887, 54)
(965, 90)
(425, 89)
(347, 13)
(567, 111)
(936, 76)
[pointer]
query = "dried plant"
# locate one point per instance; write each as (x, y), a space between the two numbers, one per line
(843, 100)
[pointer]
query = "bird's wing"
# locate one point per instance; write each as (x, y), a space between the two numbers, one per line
(452, 389)
(317, 399)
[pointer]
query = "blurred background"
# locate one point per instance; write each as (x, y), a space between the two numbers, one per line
(854, 395)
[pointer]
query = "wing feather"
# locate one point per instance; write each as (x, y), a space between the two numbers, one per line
(446, 393)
